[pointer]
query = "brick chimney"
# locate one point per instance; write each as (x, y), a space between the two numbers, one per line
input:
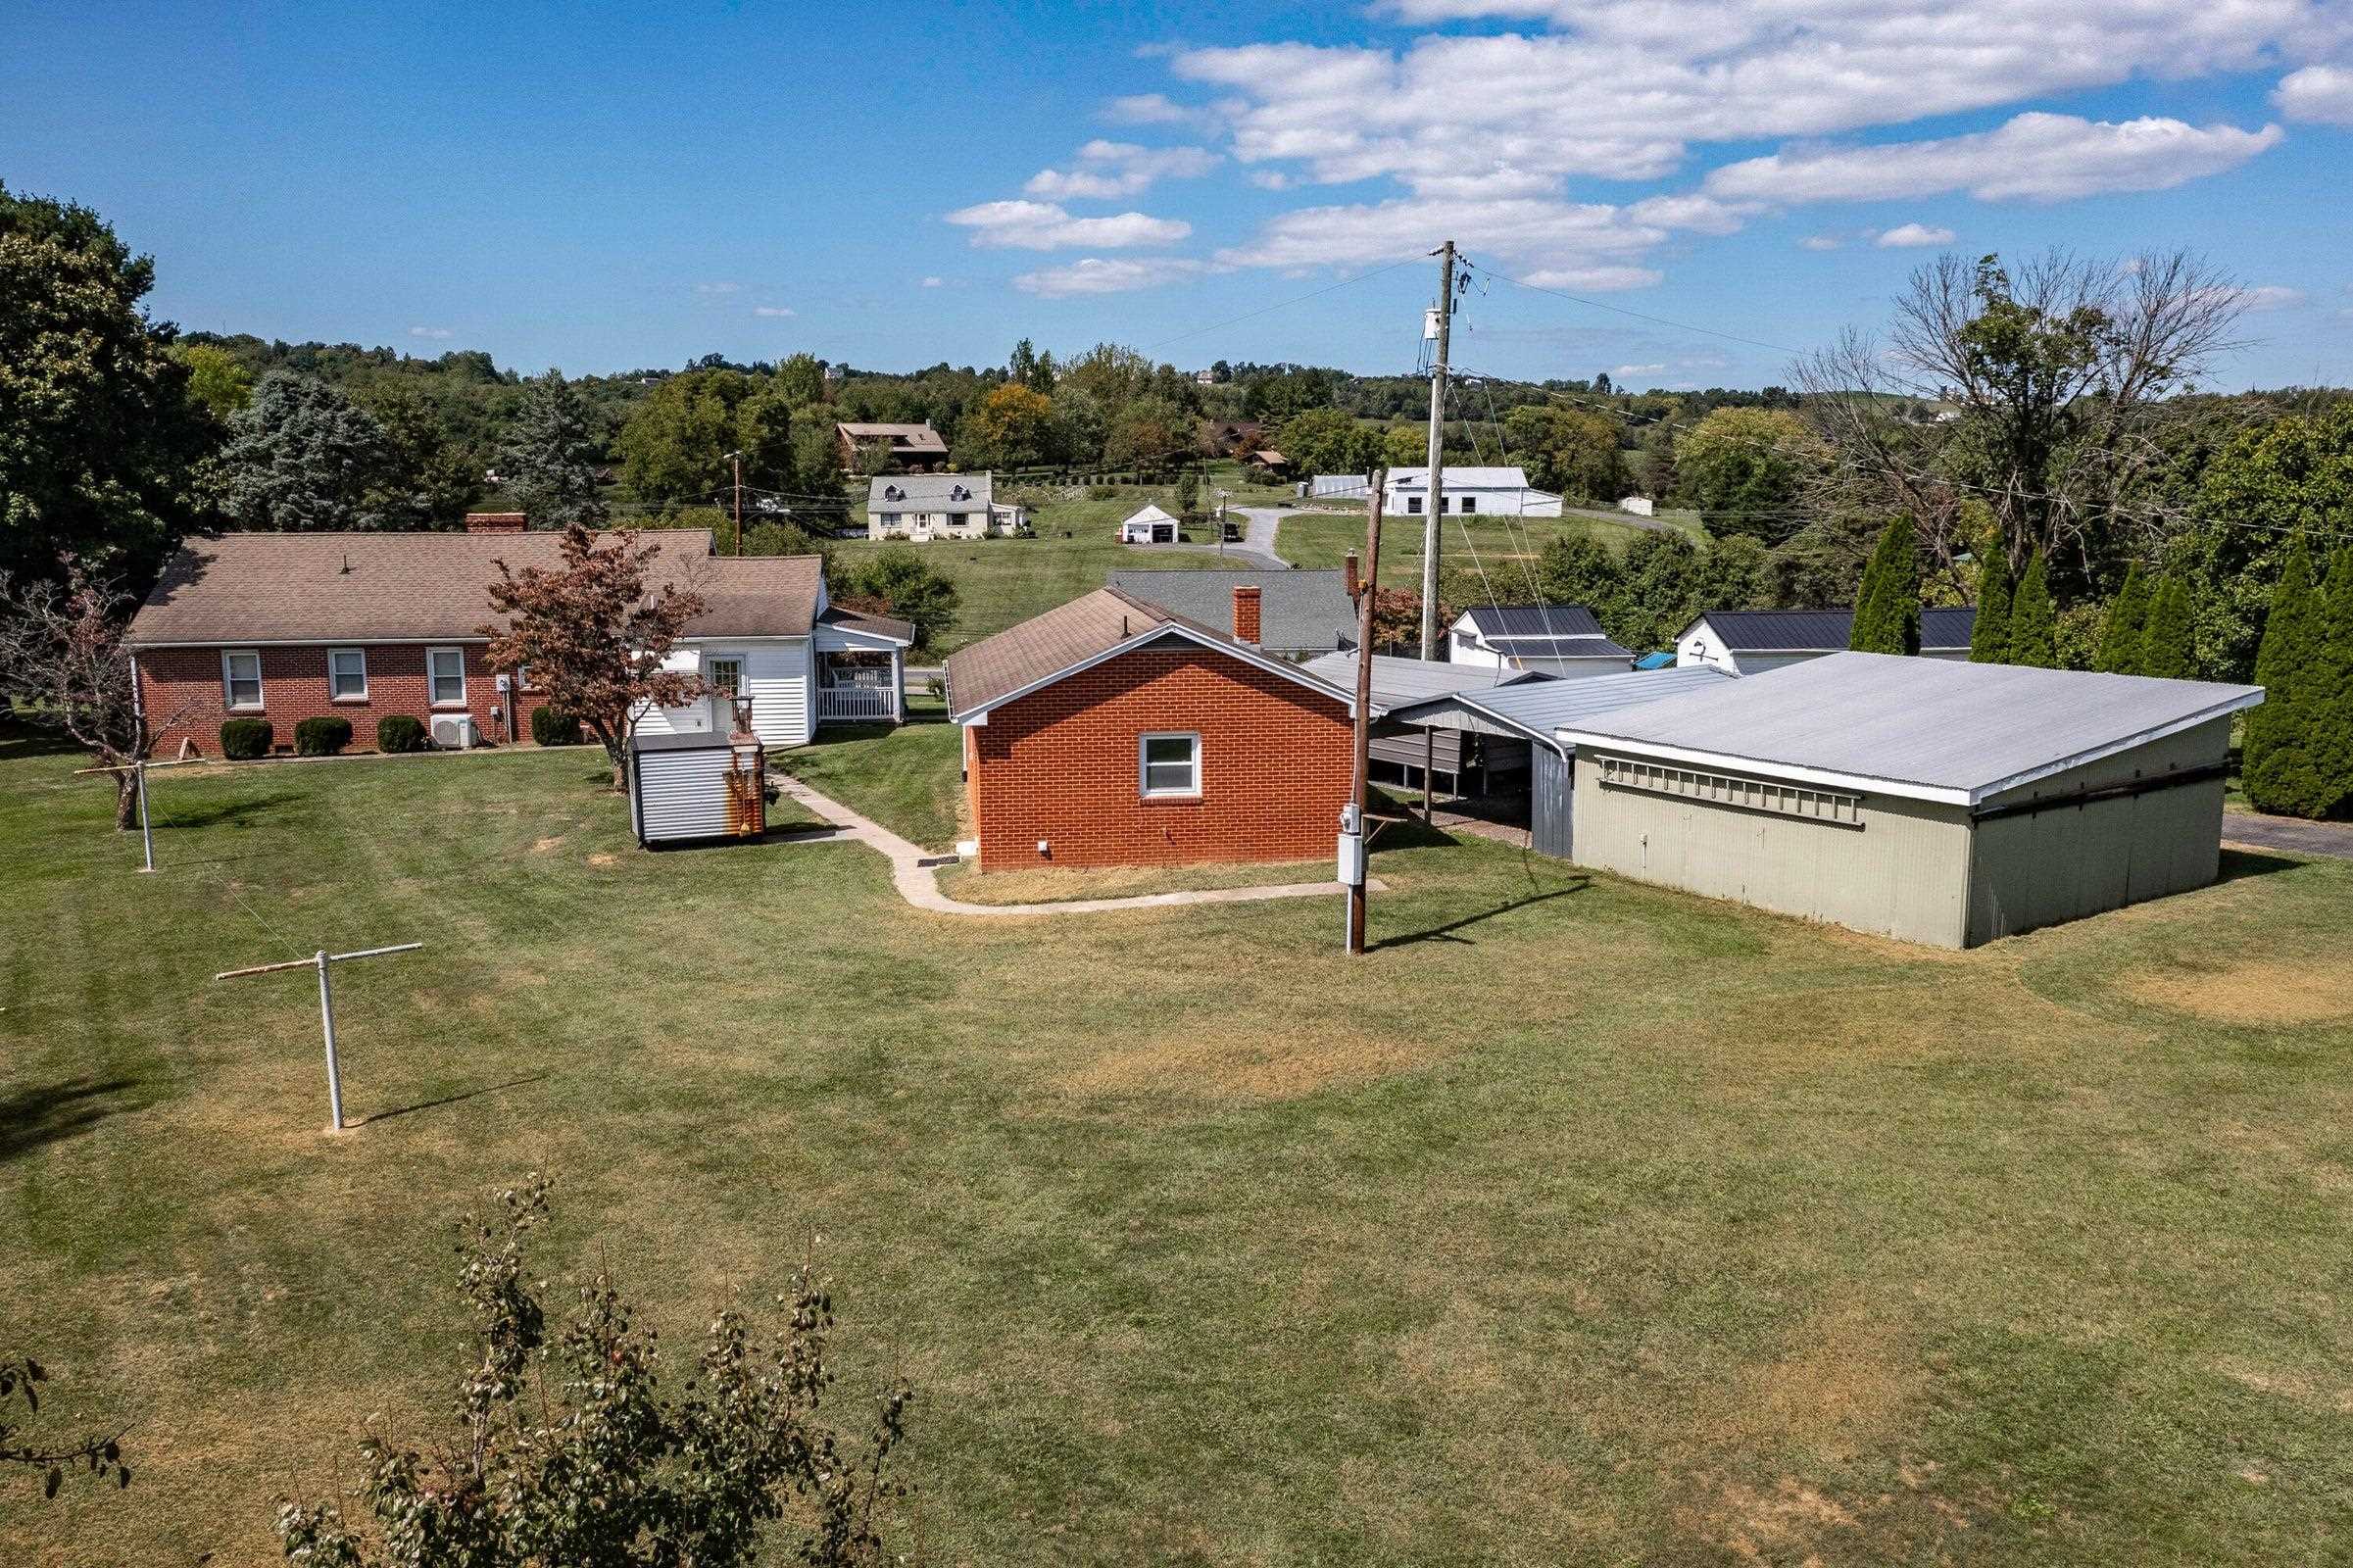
(1246, 615)
(494, 521)
(1347, 570)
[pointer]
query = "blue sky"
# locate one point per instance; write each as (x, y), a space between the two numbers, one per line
(601, 188)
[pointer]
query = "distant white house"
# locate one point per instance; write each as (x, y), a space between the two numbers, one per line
(923, 507)
(1563, 640)
(1489, 491)
(1639, 506)
(1149, 526)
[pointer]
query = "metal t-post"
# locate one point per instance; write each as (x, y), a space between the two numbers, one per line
(326, 1021)
(146, 829)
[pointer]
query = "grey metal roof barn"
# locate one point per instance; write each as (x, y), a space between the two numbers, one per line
(1828, 632)
(1298, 611)
(1931, 799)
(1925, 726)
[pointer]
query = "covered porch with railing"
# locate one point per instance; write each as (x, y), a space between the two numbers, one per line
(861, 669)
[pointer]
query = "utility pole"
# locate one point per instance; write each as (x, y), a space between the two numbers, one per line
(1437, 417)
(738, 459)
(1353, 856)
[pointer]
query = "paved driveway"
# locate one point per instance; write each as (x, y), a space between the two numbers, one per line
(2289, 833)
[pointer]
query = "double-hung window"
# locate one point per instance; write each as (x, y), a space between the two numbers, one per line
(445, 677)
(1169, 764)
(1414, 506)
(347, 674)
(241, 678)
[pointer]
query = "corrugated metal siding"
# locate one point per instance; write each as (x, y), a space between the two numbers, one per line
(1904, 873)
(1549, 817)
(681, 794)
(2041, 867)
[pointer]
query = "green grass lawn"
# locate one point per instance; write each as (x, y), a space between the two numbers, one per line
(1578, 1224)
(905, 776)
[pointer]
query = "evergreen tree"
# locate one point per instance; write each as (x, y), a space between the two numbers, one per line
(548, 462)
(2276, 758)
(2127, 627)
(2033, 620)
(2169, 650)
(1887, 612)
(2327, 701)
(1989, 633)
(301, 457)
(1658, 464)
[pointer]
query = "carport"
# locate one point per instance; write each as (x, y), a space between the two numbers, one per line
(1529, 715)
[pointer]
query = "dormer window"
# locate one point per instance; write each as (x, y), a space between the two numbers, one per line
(959, 493)
(891, 492)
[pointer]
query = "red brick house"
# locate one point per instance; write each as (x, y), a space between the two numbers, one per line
(288, 626)
(1110, 732)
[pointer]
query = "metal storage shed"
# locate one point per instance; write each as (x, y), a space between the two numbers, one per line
(687, 787)
(1455, 755)
(1933, 801)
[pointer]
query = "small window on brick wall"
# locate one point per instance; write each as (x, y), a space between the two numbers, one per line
(241, 679)
(445, 674)
(1171, 764)
(347, 674)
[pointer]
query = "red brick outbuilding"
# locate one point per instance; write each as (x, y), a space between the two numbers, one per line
(1108, 732)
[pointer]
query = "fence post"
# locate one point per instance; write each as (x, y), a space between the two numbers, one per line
(326, 1019)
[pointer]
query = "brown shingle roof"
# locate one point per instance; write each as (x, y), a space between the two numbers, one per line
(902, 437)
(394, 587)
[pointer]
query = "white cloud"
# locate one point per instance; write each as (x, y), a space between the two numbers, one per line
(1594, 279)
(434, 332)
(1908, 235)
(1560, 236)
(1110, 169)
(1622, 370)
(1044, 226)
(1096, 276)
(718, 288)
(1821, 242)
(1270, 180)
(773, 309)
(2034, 157)
(2269, 297)
(1152, 109)
(2317, 92)
(934, 282)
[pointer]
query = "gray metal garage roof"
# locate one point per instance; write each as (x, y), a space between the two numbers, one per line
(1932, 728)
(1814, 631)
(1538, 707)
(1397, 680)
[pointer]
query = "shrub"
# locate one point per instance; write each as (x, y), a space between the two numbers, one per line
(550, 728)
(244, 739)
(400, 733)
(322, 737)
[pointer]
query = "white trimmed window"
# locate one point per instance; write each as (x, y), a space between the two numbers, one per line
(1169, 764)
(241, 678)
(445, 677)
(347, 674)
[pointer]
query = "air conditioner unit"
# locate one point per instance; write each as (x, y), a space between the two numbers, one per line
(455, 732)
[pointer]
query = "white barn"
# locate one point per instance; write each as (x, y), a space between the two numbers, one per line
(1495, 492)
(1751, 641)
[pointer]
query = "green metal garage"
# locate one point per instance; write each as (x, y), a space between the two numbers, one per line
(1932, 801)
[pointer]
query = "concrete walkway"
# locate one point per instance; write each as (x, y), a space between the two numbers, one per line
(2262, 832)
(919, 884)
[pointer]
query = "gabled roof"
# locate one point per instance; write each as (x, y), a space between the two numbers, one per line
(1149, 513)
(1298, 611)
(1560, 648)
(902, 437)
(1533, 620)
(865, 625)
(1077, 635)
(1824, 631)
(1466, 478)
(1398, 680)
(1933, 729)
(423, 587)
(931, 492)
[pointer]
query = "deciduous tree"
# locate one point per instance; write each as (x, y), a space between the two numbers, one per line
(592, 635)
(675, 443)
(64, 664)
(896, 580)
(1328, 441)
(1013, 429)
(1747, 471)
(98, 1453)
(569, 1448)
(1572, 451)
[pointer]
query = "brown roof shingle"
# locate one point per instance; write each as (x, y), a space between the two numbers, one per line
(402, 587)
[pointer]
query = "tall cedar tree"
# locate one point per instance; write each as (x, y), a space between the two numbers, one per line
(64, 664)
(2330, 698)
(2126, 626)
(2277, 762)
(2169, 650)
(549, 461)
(1989, 632)
(1886, 612)
(2033, 621)
(594, 639)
